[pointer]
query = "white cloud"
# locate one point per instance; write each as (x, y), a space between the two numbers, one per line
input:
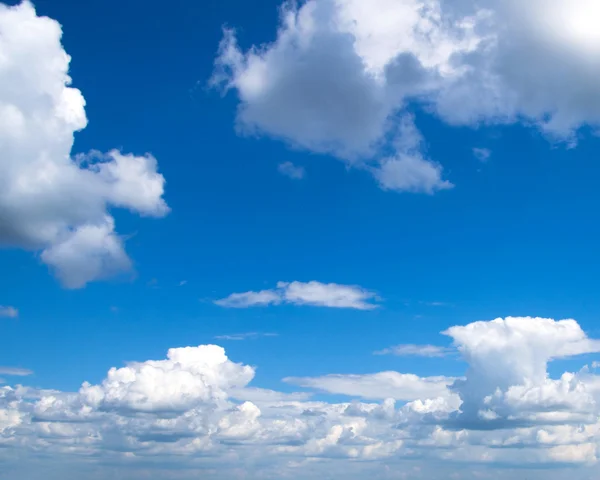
(187, 378)
(378, 386)
(292, 171)
(324, 85)
(245, 336)
(50, 201)
(196, 411)
(416, 351)
(250, 299)
(437, 304)
(407, 173)
(408, 170)
(92, 252)
(8, 312)
(514, 73)
(312, 293)
(509, 357)
(327, 295)
(340, 74)
(17, 372)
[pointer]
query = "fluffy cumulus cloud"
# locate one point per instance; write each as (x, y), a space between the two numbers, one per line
(187, 378)
(513, 74)
(340, 75)
(51, 201)
(507, 380)
(196, 413)
(313, 293)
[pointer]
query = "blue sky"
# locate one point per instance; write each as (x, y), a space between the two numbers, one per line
(436, 191)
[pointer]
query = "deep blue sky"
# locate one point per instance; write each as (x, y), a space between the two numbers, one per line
(518, 235)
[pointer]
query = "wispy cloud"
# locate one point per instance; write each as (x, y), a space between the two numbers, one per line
(245, 336)
(290, 170)
(262, 395)
(251, 299)
(410, 350)
(15, 372)
(8, 312)
(482, 154)
(313, 293)
(437, 304)
(182, 283)
(400, 386)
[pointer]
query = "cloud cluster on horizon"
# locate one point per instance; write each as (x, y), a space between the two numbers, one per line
(198, 406)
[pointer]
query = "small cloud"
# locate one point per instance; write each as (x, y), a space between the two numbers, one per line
(245, 336)
(437, 304)
(410, 350)
(291, 171)
(15, 372)
(8, 312)
(114, 309)
(250, 299)
(153, 283)
(182, 283)
(410, 173)
(313, 293)
(408, 170)
(482, 154)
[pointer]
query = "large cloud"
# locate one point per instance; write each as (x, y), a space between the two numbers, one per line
(188, 378)
(508, 361)
(50, 201)
(327, 86)
(513, 75)
(340, 74)
(196, 411)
